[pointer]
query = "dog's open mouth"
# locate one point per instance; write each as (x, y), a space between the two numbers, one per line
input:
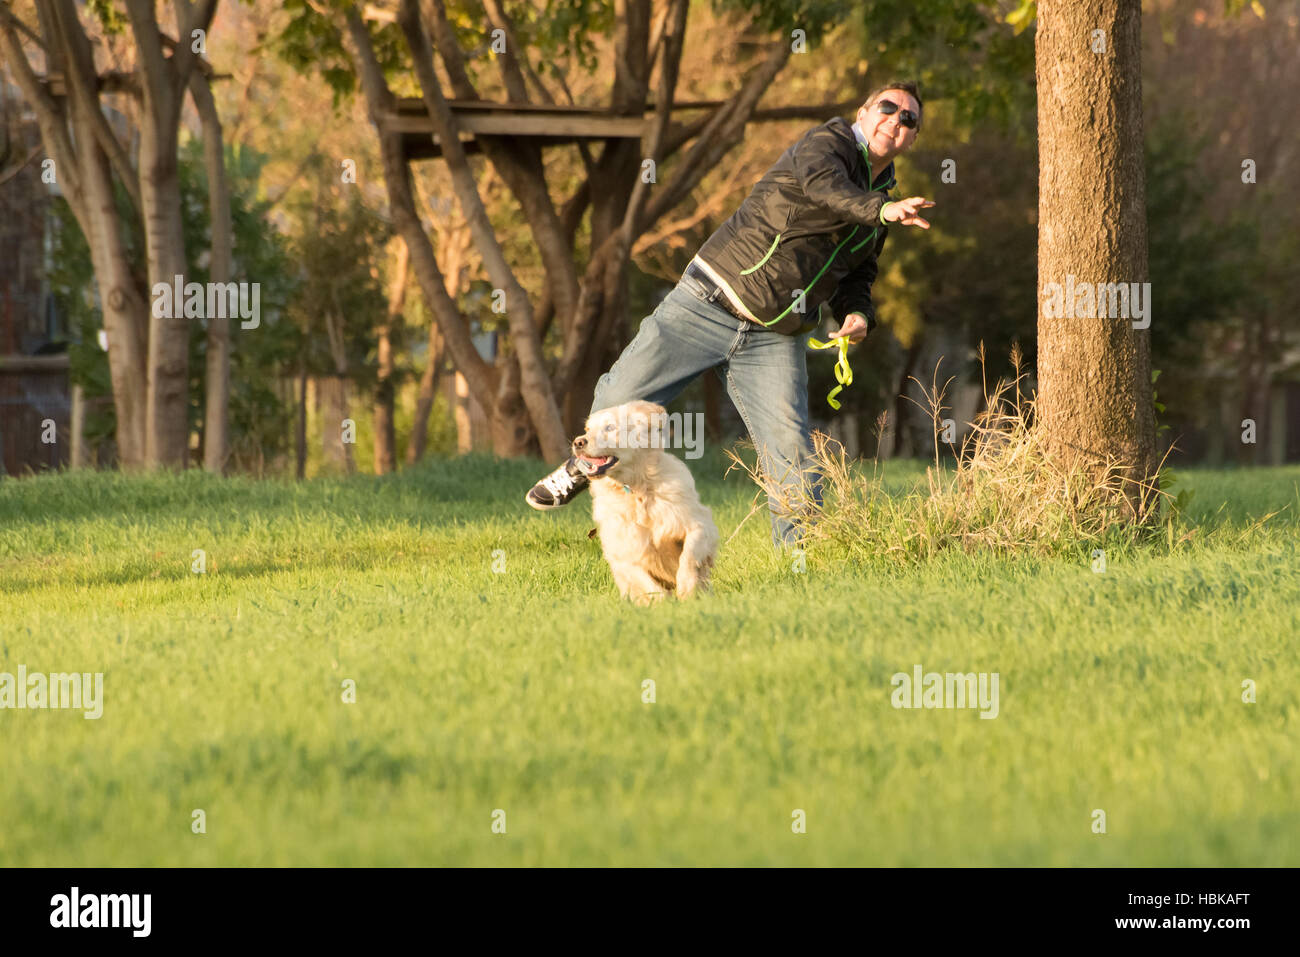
(594, 465)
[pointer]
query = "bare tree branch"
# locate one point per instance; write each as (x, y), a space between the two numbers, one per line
(82, 84)
(189, 17)
(435, 17)
(144, 26)
(723, 131)
(511, 75)
(49, 113)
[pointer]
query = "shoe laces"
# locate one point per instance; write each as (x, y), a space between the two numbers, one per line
(559, 483)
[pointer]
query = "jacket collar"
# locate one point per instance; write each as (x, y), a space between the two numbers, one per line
(887, 175)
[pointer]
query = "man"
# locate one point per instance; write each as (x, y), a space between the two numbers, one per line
(808, 233)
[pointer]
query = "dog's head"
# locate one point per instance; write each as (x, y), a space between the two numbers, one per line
(620, 434)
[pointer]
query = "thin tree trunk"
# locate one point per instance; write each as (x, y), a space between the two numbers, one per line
(80, 457)
(1254, 393)
(385, 432)
(509, 425)
(300, 437)
(336, 447)
(429, 380)
(473, 427)
(168, 363)
(124, 306)
(124, 311)
(1094, 374)
(332, 398)
(163, 81)
(216, 430)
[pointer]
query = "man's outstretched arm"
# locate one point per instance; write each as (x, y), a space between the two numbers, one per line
(823, 174)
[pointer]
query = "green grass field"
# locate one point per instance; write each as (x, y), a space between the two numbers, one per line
(521, 689)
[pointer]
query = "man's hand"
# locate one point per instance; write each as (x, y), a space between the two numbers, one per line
(904, 211)
(855, 327)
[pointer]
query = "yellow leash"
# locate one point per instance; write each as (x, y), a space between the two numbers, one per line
(843, 372)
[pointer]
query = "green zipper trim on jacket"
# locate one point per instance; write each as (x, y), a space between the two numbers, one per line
(746, 272)
(888, 186)
(759, 264)
(804, 294)
(870, 187)
(865, 241)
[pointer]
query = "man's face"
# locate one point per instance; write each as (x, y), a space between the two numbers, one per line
(886, 135)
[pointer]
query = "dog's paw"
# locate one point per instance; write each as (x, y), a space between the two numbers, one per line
(642, 599)
(688, 583)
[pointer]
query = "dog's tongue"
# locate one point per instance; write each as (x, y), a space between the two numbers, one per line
(595, 466)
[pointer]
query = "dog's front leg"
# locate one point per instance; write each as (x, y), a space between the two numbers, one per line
(635, 583)
(696, 560)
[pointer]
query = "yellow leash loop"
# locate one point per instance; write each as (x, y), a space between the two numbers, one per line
(843, 372)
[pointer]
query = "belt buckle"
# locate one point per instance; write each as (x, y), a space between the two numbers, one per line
(713, 291)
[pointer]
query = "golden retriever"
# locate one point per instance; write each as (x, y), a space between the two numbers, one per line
(655, 533)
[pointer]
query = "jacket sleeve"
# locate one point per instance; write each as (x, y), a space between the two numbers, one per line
(823, 174)
(854, 291)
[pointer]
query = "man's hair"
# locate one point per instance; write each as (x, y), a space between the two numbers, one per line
(907, 86)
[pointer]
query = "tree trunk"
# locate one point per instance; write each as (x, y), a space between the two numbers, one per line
(300, 437)
(167, 398)
(511, 428)
(216, 406)
(332, 401)
(424, 402)
(124, 307)
(80, 457)
(385, 433)
(332, 398)
(1094, 374)
(124, 311)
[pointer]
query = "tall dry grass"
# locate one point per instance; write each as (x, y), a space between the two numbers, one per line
(1005, 492)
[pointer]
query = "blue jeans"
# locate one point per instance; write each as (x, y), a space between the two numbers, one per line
(766, 375)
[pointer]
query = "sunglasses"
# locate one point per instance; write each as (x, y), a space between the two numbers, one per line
(906, 118)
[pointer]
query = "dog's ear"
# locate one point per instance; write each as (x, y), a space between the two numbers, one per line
(647, 408)
(646, 421)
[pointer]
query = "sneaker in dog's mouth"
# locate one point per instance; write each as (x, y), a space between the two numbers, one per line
(593, 466)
